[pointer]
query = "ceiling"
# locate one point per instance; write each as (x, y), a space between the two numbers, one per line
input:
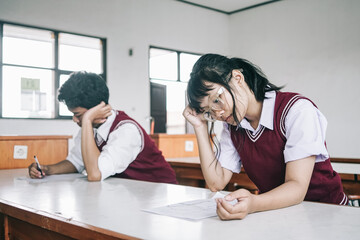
(227, 6)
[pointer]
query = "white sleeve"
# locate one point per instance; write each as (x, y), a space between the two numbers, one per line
(122, 148)
(229, 157)
(75, 156)
(305, 132)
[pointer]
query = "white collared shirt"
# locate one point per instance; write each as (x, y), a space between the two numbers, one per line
(305, 133)
(122, 148)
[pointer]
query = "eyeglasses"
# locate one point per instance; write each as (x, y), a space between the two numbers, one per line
(216, 103)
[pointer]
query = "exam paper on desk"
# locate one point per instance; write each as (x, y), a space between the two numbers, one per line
(52, 178)
(191, 210)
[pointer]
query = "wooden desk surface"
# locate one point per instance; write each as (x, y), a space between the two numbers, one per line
(115, 205)
(33, 137)
(340, 167)
(184, 160)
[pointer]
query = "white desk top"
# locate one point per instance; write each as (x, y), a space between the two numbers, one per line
(115, 204)
(349, 168)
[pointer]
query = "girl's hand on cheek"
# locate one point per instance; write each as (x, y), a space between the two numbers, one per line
(194, 118)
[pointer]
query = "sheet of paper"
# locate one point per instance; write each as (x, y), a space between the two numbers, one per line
(51, 178)
(190, 210)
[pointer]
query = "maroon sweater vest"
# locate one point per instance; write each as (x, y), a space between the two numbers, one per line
(149, 165)
(263, 159)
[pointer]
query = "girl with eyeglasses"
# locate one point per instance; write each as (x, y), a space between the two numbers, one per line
(278, 137)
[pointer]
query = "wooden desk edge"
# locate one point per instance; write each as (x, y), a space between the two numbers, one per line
(57, 224)
(32, 137)
(171, 136)
(345, 160)
(197, 160)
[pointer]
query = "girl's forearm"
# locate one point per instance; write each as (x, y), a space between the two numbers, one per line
(213, 172)
(288, 194)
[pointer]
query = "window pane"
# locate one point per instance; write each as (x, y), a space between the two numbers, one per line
(28, 46)
(187, 62)
(78, 53)
(163, 64)
(27, 92)
(63, 110)
(175, 104)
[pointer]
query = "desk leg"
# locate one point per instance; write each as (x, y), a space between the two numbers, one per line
(4, 227)
(2, 234)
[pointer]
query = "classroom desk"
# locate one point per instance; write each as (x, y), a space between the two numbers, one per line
(188, 172)
(349, 170)
(346, 168)
(112, 210)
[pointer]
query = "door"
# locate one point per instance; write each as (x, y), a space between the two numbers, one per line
(158, 106)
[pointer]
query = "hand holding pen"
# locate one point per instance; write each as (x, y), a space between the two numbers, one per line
(38, 167)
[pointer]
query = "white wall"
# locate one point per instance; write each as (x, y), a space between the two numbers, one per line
(126, 24)
(312, 47)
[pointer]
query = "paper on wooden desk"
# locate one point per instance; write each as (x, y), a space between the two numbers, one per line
(190, 210)
(52, 178)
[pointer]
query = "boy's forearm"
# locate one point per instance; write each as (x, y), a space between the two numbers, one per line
(64, 166)
(90, 152)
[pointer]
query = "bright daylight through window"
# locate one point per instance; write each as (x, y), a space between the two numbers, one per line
(36, 62)
(171, 69)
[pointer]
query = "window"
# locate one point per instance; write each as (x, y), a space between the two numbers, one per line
(35, 62)
(169, 70)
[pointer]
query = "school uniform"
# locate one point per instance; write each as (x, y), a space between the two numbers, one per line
(290, 128)
(127, 151)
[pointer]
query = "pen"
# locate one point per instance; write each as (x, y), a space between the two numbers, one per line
(38, 165)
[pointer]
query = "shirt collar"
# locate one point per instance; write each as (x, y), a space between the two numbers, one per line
(104, 129)
(267, 113)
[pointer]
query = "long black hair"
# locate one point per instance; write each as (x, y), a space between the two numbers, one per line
(214, 68)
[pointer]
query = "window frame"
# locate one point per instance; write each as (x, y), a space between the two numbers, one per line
(178, 80)
(57, 72)
(178, 52)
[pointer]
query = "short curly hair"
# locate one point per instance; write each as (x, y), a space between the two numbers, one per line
(83, 89)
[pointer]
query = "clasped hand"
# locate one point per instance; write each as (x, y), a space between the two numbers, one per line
(244, 206)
